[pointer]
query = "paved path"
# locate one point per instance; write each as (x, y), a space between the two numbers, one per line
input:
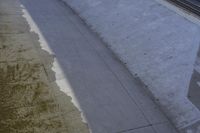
(151, 38)
(110, 98)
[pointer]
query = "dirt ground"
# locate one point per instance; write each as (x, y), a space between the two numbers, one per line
(30, 100)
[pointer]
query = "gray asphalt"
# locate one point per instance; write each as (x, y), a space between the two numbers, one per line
(112, 100)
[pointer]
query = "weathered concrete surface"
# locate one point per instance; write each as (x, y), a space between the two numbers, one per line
(29, 101)
(158, 45)
(109, 97)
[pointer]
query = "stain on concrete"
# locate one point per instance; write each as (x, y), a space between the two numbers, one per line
(194, 91)
(194, 94)
(194, 87)
(29, 101)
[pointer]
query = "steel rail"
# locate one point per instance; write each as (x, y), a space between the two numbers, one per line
(191, 6)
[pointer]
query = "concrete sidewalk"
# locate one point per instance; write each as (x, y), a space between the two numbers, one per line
(109, 97)
(157, 43)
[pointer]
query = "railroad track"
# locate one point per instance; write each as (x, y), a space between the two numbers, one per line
(191, 5)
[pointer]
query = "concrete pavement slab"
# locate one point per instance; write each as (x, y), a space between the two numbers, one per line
(101, 84)
(156, 44)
